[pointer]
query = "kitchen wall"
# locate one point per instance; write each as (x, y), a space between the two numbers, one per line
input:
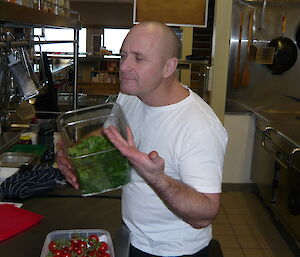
(265, 89)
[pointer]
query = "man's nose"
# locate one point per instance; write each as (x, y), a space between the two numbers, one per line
(125, 63)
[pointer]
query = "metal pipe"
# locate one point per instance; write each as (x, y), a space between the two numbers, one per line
(53, 42)
(20, 43)
(75, 57)
(15, 44)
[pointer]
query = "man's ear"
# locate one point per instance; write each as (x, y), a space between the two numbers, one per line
(170, 67)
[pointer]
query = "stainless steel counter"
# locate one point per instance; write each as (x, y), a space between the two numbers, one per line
(63, 208)
(285, 121)
(9, 138)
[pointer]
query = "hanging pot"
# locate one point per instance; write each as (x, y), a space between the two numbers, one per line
(298, 36)
(286, 54)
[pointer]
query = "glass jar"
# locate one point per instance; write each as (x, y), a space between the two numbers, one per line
(25, 140)
(60, 7)
(36, 4)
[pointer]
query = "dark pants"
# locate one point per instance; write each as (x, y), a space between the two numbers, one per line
(133, 252)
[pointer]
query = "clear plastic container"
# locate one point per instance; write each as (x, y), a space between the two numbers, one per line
(99, 166)
(104, 236)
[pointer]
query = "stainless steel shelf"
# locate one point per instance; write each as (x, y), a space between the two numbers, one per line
(255, 3)
(12, 15)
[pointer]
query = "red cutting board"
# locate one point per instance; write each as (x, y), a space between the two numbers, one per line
(14, 220)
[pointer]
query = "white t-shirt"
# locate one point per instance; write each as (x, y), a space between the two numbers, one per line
(192, 141)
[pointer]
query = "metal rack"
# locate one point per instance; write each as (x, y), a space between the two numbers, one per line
(13, 15)
(255, 3)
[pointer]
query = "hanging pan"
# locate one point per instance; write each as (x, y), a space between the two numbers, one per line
(286, 54)
(298, 36)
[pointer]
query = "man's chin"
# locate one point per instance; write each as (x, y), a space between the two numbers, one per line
(127, 89)
(126, 92)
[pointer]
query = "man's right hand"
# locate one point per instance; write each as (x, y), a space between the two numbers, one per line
(65, 166)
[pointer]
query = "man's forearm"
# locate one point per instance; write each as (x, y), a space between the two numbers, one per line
(193, 207)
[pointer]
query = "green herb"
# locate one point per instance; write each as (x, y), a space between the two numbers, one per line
(105, 169)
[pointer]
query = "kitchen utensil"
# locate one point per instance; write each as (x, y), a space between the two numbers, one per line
(285, 51)
(38, 150)
(25, 111)
(252, 48)
(263, 53)
(14, 220)
(236, 75)
(297, 36)
(16, 160)
(102, 234)
(28, 65)
(245, 73)
(102, 168)
(47, 101)
(3, 86)
(21, 78)
(42, 73)
(260, 29)
(4, 91)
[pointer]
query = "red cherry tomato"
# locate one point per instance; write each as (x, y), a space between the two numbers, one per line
(103, 247)
(65, 249)
(74, 241)
(82, 244)
(58, 252)
(79, 251)
(68, 254)
(52, 246)
(94, 238)
(93, 253)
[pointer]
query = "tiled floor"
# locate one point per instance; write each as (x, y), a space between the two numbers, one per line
(244, 228)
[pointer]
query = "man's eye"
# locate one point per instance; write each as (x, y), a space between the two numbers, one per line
(138, 58)
(123, 57)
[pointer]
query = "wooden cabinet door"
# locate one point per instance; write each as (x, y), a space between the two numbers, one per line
(172, 12)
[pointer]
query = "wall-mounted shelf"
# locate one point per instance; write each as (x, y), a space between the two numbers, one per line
(14, 15)
(19, 16)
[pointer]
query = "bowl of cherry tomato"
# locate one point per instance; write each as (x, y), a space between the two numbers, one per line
(78, 243)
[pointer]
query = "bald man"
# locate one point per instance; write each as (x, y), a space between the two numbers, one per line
(176, 147)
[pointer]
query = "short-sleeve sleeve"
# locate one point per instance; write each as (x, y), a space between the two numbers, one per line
(201, 160)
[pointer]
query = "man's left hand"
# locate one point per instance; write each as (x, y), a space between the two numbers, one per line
(147, 165)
